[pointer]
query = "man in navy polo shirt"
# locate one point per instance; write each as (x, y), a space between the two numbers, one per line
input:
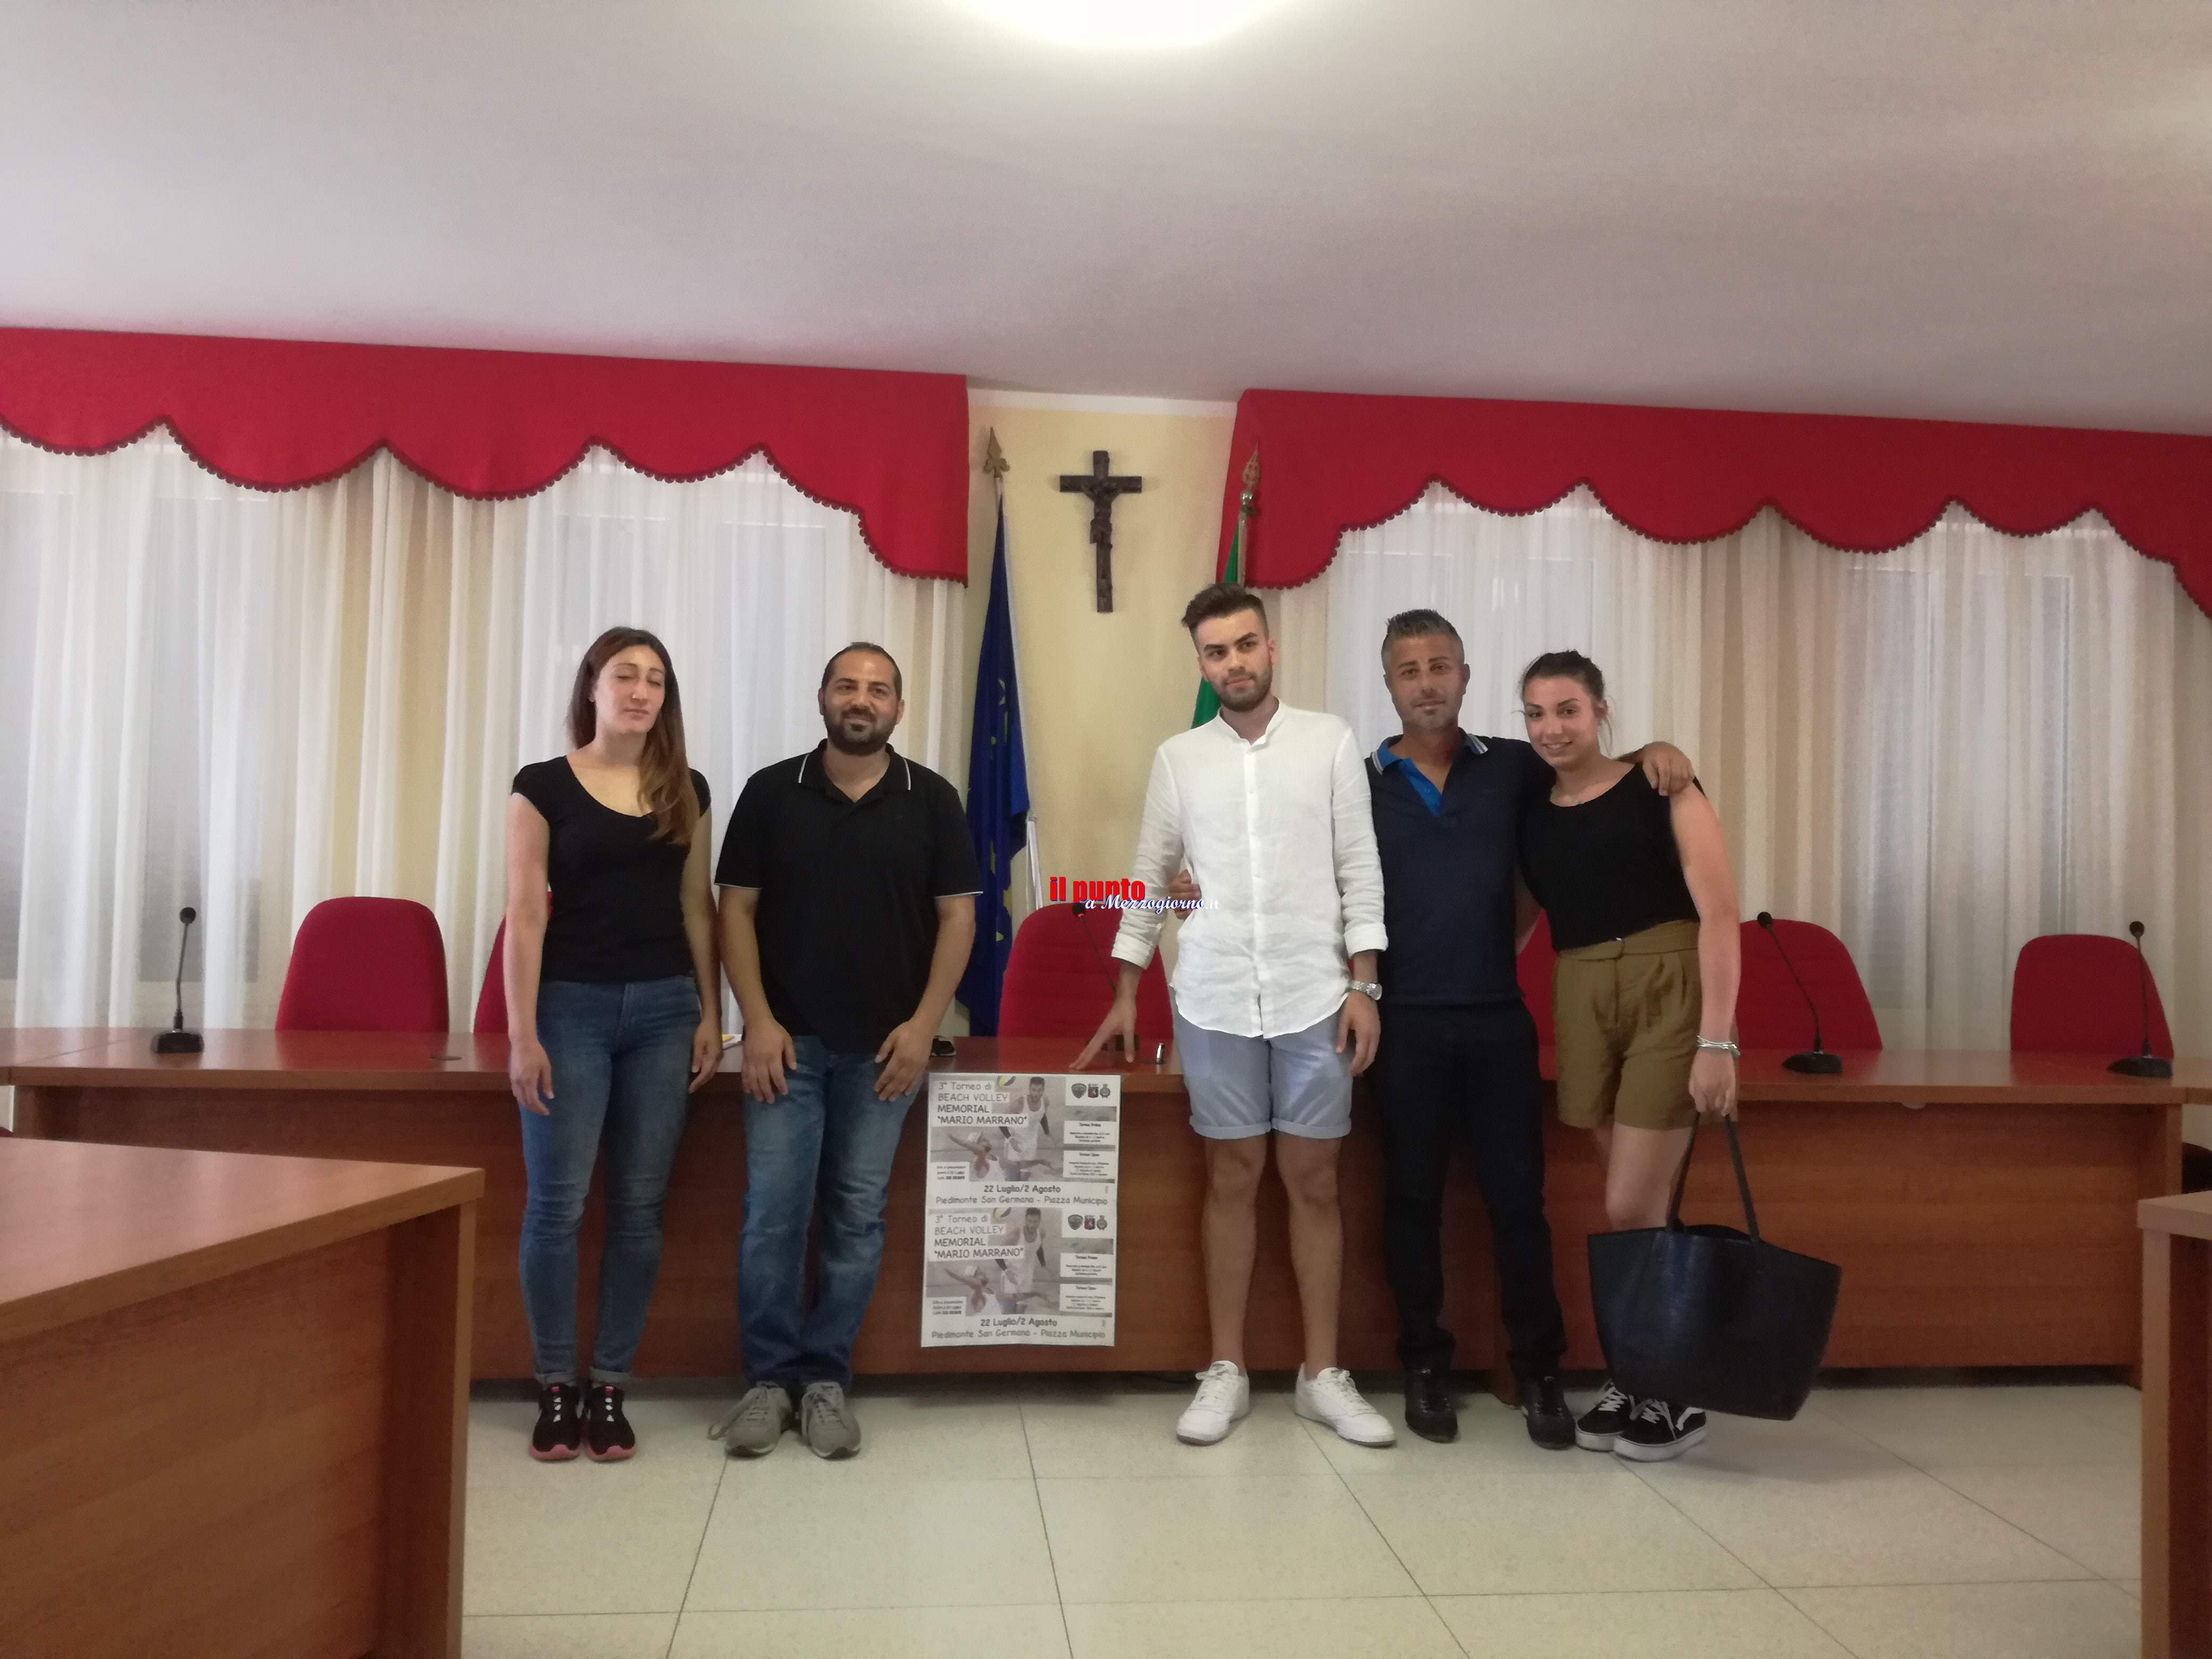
(848, 886)
(1458, 1054)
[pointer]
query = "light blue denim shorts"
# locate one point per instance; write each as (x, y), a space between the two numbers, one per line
(1241, 1086)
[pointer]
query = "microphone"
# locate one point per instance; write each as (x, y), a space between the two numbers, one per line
(177, 1040)
(1816, 1061)
(2145, 1064)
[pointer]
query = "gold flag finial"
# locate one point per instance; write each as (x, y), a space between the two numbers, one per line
(995, 459)
(1251, 481)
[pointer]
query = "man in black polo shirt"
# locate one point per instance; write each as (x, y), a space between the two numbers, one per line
(848, 909)
(1458, 1054)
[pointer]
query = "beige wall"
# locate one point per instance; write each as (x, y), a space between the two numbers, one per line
(1098, 691)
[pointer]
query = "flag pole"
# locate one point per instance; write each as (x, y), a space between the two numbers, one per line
(997, 466)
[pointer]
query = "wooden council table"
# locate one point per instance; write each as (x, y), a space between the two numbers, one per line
(237, 1390)
(1982, 1204)
(2176, 1439)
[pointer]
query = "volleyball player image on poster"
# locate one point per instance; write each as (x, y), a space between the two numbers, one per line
(1021, 1211)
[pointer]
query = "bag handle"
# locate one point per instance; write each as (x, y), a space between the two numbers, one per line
(1742, 1182)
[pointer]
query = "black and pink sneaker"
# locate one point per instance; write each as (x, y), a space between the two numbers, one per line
(559, 1431)
(608, 1437)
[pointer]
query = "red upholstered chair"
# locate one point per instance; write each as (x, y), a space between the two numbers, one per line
(1534, 969)
(365, 964)
(491, 1000)
(2078, 994)
(1060, 983)
(1769, 1012)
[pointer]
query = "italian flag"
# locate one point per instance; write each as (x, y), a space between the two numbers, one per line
(1209, 705)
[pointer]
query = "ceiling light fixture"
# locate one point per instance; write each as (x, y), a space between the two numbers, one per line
(1124, 23)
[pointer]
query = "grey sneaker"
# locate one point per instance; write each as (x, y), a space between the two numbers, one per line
(826, 1422)
(756, 1423)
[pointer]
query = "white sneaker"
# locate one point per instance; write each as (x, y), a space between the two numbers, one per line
(1225, 1394)
(1331, 1398)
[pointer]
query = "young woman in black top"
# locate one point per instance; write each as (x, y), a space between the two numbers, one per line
(614, 1002)
(1643, 916)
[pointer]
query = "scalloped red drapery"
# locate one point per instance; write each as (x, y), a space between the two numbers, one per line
(283, 413)
(1331, 462)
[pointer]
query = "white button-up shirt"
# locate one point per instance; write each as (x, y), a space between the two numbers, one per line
(1279, 835)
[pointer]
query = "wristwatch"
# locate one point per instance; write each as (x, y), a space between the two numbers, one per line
(1718, 1047)
(1372, 992)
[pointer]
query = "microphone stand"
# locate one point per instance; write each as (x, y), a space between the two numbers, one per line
(1815, 1062)
(2145, 1064)
(177, 1040)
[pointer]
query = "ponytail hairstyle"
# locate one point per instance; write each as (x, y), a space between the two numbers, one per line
(664, 772)
(1572, 666)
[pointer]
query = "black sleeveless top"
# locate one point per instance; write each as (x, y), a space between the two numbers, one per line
(1608, 867)
(618, 907)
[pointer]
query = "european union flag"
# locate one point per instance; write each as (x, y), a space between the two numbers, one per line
(998, 798)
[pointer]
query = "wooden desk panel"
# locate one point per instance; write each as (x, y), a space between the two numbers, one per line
(2176, 1426)
(1993, 1226)
(22, 1044)
(248, 1376)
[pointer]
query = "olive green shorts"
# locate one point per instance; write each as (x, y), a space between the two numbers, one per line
(1624, 1016)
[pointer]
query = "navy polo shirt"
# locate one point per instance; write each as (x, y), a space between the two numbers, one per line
(1449, 861)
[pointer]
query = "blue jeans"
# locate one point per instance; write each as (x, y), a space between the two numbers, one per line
(828, 1132)
(622, 1064)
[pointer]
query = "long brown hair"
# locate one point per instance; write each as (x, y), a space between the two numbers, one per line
(664, 774)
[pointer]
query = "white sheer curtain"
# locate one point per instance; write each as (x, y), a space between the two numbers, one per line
(248, 702)
(1939, 752)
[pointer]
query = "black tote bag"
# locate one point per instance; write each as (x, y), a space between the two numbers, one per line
(1709, 1316)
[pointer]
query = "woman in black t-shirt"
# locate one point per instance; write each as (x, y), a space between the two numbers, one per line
(614, 1002)
(1643, 916)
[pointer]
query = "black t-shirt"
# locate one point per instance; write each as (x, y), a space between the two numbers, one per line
(1607, 868)
(617, 906)
(1448, 875)
(848, 892)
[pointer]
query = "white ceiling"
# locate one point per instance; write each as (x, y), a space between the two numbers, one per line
(1994, 208)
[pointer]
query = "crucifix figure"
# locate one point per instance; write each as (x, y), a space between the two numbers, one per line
(1101, 488)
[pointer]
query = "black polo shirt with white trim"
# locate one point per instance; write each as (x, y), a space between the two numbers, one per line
(848, 891)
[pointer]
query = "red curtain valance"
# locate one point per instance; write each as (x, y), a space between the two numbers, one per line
(1331, 462)
(281, 414)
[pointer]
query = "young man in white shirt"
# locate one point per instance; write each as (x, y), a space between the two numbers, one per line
(1275, 988)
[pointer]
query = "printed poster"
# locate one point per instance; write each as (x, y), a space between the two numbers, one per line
(1021, 1210)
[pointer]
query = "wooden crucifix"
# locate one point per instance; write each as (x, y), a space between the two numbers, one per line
(1103, 488)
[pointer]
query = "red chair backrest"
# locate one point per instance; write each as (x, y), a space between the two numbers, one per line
(1060, 983)
(1535, 969)
(365, 964)
(2079, 994)
(1769, 1013)
(491, 1001)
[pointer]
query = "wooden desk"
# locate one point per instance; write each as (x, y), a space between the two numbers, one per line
(239, 1399)
(1993, 1224)
(2176, 1439)
(20, 1045)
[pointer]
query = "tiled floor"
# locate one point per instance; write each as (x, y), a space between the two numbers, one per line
(1894, 1520)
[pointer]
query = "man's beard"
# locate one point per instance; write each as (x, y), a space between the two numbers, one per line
(878, 736)
(1252, 695)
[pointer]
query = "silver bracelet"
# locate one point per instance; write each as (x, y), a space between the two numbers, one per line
(1718, 1047)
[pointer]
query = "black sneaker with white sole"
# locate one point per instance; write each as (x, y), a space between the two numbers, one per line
(1596, 1429)
(1659, 1430)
